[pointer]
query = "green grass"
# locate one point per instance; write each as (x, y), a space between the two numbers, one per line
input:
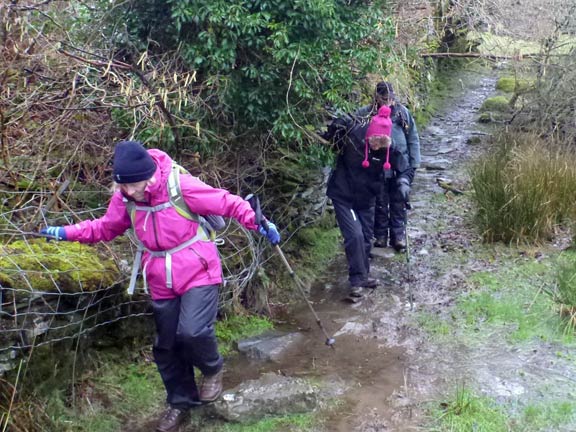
(132, 386)
(507, 46)
(237, 327)
(522, 189)
(510, 84)
(512, 301)
(434, 325)
(310, 251)
(66, 419)
(496, 103)
(467, 412)
(288, 423)
(510, 304)
(120, 388)
(513, 298)
(565, 288)
(107, 396)
(318, 246)
(548, 415)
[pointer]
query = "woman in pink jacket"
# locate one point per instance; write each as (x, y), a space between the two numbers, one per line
(180, 266)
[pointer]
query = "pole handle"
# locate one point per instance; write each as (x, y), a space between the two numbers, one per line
(258, 218)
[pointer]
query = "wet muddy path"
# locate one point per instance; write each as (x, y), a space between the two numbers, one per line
(384, 366)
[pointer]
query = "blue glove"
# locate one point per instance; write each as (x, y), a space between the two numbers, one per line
(272, 234)
(53, 233)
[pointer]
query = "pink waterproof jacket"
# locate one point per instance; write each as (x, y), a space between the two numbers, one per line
(196, 265)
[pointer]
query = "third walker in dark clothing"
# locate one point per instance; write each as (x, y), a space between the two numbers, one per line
(390, 214)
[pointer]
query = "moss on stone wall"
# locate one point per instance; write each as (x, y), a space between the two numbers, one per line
(38, 265)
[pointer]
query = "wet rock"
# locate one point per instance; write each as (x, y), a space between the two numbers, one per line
(354, 328)
(268, 346)
(271, 395)
(446, 150)
(437, 164)
(414, 232)
(7, 361)
(419, 205)
(474, 140)
(434, 131)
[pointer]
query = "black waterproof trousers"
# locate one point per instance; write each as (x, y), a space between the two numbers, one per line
(390, 213)
(186, 338)
(356, 227)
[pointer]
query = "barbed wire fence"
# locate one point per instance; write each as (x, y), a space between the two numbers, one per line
(49, 296)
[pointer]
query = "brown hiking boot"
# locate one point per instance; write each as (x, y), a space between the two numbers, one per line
(211, 387)
(381, 242)
(356, 288)
(171, 419)
(355, 291)
(400, 245)
(369, 283)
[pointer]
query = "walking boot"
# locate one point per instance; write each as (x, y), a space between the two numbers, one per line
(211, 387)
(370, 283)
(381, 242)
(355, 291)
(171, 419)
(400, 245)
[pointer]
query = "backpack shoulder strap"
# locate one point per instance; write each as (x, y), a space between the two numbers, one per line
(175, 193)
(402, 113)
(210, 224)
(131, 209)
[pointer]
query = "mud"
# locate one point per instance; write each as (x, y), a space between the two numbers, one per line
(386, 367)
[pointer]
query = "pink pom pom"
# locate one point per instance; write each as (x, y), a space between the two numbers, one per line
(387, 165)
(365, 164)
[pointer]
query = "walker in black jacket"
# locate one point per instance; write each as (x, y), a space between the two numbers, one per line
(390, 213)
(356, 180)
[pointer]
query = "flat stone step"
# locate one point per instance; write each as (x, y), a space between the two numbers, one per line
(268, 346)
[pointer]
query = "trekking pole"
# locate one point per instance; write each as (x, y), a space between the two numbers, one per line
(410, 295)
(27, 234)
(255, 203)
(330, 341)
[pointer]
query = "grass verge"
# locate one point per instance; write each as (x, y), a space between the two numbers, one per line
(524, 189)
(466, 411)
(292, 423)
(513, 300)
(238, 327)
(108, 397)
